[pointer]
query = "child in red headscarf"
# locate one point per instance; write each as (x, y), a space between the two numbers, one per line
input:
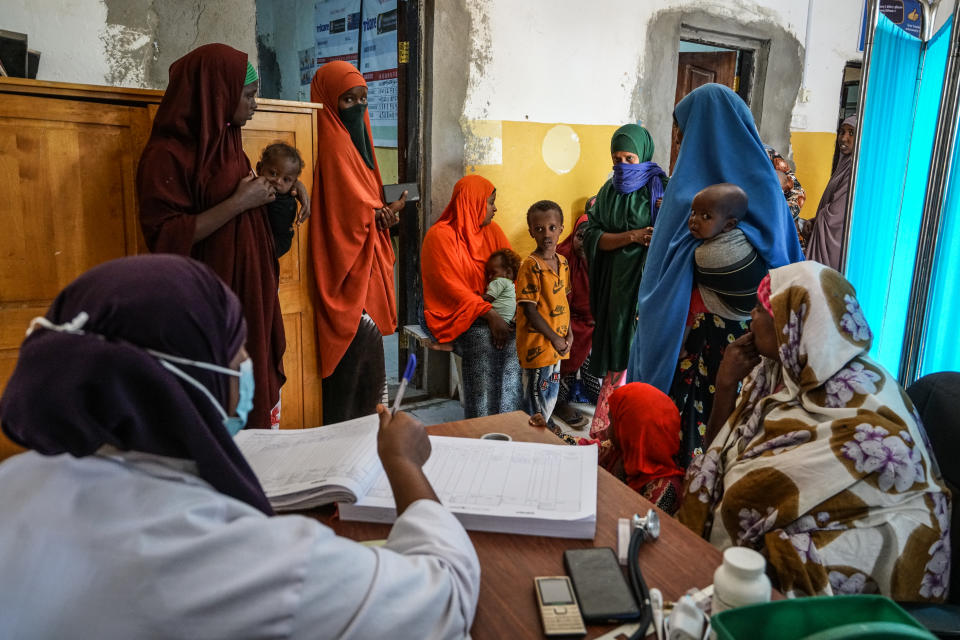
(644, 440)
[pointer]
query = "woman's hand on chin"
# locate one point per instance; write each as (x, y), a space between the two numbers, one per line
(499, 329)
(739, 359)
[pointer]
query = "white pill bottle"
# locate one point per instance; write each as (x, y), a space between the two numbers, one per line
(740, 580)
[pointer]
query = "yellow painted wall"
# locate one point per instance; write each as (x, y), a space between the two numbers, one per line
(523, 175)
(388, 163)
(812, 153)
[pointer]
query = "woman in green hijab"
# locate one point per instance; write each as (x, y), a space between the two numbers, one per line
(619, 229)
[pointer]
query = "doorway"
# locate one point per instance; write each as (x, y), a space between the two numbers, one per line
(850, 91)
(705, 56)
(849, 101)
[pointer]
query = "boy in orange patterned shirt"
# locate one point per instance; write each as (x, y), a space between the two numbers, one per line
(543, 329)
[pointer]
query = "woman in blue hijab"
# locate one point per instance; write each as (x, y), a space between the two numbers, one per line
(720, 144)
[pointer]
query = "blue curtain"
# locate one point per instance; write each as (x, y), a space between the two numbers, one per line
(896, 139)
(941, 347)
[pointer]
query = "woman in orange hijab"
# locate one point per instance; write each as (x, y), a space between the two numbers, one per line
(453, 260)
(350, 247)
(645, 432)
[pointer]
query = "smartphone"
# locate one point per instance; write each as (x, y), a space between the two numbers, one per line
(558, 607)
(601, 589)
(392, 192)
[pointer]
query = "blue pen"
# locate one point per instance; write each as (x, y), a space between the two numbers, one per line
(407, 374)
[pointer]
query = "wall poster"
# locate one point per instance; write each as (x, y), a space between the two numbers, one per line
(338, 30)
(308, 64)
(363, 33)
(378, 64)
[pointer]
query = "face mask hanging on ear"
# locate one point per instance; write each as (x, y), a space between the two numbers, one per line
(244, 405)
(233, 424)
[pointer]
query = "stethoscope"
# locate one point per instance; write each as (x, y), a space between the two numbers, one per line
(642, 530)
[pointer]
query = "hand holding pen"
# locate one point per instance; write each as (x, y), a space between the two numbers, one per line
(403, 447)
(407, 375)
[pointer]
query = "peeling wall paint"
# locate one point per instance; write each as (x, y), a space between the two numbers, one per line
(481, 55)
(654, 95)
(129, 53)
(559, 62)
(484, 141)
(555, 61)
(128, 39)
(447, 50)
(126, 43)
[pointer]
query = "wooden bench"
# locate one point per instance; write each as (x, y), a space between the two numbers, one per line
(413, 333)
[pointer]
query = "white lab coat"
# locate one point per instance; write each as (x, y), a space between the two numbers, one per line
(132, 545)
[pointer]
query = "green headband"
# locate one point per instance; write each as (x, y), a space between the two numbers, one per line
(251, 74)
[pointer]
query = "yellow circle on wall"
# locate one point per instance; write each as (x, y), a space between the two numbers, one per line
(561, 148)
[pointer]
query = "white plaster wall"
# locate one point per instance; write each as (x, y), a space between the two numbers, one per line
(834, 36)
(944, 10)
(127, 43)
(66, 32)
(564, 61)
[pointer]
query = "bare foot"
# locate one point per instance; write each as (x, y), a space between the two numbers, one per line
(537, 420)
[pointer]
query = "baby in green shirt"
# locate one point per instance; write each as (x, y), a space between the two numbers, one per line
(502, 268)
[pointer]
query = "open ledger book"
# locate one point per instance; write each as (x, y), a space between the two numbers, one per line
(510, 487)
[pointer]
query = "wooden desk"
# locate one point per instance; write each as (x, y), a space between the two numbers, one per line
(676, 562)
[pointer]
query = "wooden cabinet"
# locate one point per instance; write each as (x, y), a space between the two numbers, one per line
(68, 162)
(296, 125)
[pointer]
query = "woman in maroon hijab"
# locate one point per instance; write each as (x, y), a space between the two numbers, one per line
(199, 198)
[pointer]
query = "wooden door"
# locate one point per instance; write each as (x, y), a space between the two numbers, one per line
(697, 68)
(67, 175)
(300, 396)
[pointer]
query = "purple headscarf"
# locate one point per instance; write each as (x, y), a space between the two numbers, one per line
(73, 392)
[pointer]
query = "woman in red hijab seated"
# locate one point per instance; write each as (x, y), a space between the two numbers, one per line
(453, 264)
(199, 198)
(645, 439)
(350, 247)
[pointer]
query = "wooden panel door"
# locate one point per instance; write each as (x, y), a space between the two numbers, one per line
(697, 68)
(67, 175)
(300, 396)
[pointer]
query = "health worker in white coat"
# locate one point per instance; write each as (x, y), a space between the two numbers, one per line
(135, 515)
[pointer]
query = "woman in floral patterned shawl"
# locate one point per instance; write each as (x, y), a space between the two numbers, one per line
(822, 464)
